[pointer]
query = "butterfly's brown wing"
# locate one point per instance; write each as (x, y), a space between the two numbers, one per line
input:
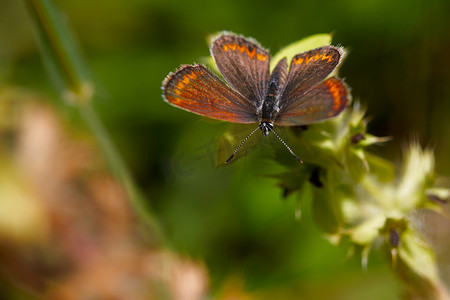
(196, 89)
(306, 98)
(324, 101)
(244, 64)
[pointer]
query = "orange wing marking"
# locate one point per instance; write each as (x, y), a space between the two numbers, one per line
(261, 57)
(251, 54)
(308, 59)
(298, 61)
(185, 80)
(233, 47)
(179, 86)
(324, 56)
(241, 48)
(192, 76)
(336, 93)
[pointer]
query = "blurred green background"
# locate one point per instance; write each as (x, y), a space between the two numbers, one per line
(234, 218)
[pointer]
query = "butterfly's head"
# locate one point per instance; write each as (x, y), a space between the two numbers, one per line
(266, 127)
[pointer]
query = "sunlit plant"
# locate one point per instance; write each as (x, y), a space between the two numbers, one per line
(357, 196)
(360, 197)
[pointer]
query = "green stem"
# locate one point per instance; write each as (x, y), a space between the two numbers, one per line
(119, 169)
(57, 41)
(62, 54)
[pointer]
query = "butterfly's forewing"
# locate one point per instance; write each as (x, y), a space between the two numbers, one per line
(324, 101)
(198, 90)
(307, 69)
(244, 64)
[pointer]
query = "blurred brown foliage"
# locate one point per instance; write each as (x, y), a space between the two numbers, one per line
(66, 229)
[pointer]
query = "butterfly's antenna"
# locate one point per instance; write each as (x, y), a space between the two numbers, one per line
(240, 145)
(290, 150)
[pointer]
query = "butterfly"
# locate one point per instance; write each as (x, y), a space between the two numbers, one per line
(292, 95)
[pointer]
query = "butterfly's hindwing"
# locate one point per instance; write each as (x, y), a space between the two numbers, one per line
(324, 101)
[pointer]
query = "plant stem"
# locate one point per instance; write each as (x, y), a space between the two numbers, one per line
(119, 169)
(62, 55)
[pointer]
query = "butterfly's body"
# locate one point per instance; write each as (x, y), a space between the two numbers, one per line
(266, 127)
(298, 95)
(270, 106)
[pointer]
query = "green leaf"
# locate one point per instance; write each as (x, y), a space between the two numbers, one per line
(325, 212)
(293, 179)
(210, 64)
(366, 232)
(418, 256)
(417, 176)
(383, 169)
(438, 194)
(357, 164)
(303, 45)
(231, 138)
